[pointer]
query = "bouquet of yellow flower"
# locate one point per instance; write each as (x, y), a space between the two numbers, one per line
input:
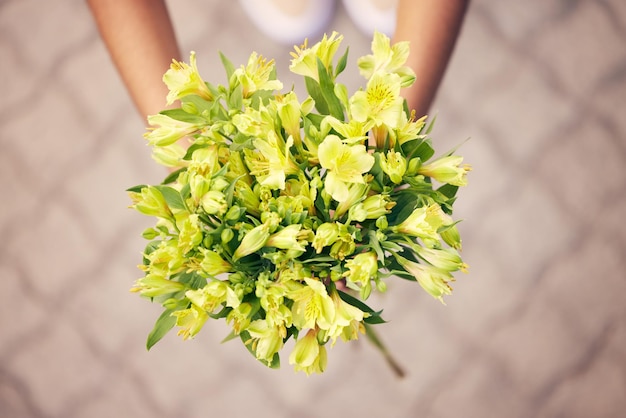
(281, 216)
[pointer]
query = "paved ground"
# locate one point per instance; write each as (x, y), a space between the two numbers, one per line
(537, 329)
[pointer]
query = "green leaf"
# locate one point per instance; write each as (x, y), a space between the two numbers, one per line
(231, 336)
(375, 244)
(328, 91)
(374, 317)
(136, 189)
(162, 326)
(431, 125)
(405, 204)
(171, 178)
(448, 190)
(235, 99)
(228, 66)
(172, 197)
(341, 65)
(314, 90)
(181, 115)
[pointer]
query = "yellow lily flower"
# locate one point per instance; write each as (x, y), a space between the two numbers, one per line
(312, 306)
(184, 80)
(387, 59)
(271, 163)
(380, 102)
(256, 75)
(345, 164)
(304, 60)
(190, 320)
(308, 355)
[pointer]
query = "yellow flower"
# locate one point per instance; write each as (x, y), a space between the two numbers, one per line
(213, 295)
(212, 264)
(239, 317)
(190, 233)
(362, 268)
(253, 241)
(394, 165)
(424, 222)
(447, 170)
(165, 131)
(352, 131)
(271, 163)
(308, 355)
(380, 102)
(447, 259)
(190, 320)
(170, 155)
(344, 164)
(153, 285)
(266, 340)
(287, 238)
(304, 60)
(347, 317)
(214, 203)
(150, 201)
(433, 280)
(184, 80)
(387, 59)
(326, 234)
(257, 75)
(289, 111)
(166, 259)
(311, 305)
(408, 128)
(356, 193)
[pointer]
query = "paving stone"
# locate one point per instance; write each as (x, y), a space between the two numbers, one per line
(57, 367)
(483, 380)
(585, 168)
(19, 196)
(20, 314)
(47, 24)
(103, 101)
(595, 391)
(537, 345)
(598, 48)
(14, 94)
(100, 182)
(535, 111)
(524, 228)
(47, 147)
(471, 69)
(516, 21)
(575, 282)
(46, 251)
(15, 400)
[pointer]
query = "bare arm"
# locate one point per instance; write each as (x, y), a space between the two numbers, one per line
(432, 27)
(141, 41)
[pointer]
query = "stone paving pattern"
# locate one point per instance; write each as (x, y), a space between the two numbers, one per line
(536, 329)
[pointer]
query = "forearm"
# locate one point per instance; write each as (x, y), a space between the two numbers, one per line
(141, 41)
(432, 27)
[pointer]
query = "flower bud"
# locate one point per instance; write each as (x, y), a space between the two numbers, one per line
(325, 235)
(214, 203)
(447, 170)
(394, 165)
(253, 241)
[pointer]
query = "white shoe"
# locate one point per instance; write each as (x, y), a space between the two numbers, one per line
(372, 15)
(290, 21)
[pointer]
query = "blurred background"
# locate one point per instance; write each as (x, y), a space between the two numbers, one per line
(536, 329)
